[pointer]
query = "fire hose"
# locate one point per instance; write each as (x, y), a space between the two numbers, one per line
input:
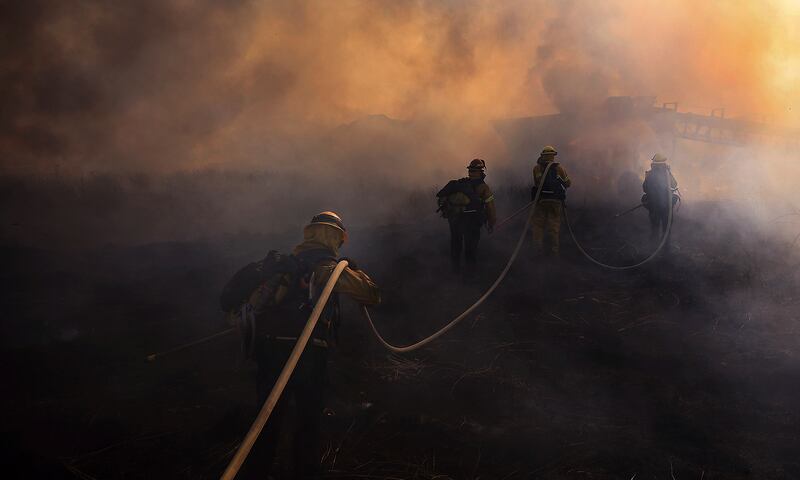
(465, 313)
(653, 255)
(416, 345)
(263, 415)
(280, 384)
(269, 404)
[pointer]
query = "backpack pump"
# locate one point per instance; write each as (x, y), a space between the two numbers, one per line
(553, 186)
(460, 196)
(273, 284)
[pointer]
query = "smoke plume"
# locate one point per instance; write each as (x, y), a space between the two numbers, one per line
(173, 85)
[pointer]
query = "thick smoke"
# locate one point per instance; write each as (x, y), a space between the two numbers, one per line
(357, 102)
(172, 141)
(175, 85)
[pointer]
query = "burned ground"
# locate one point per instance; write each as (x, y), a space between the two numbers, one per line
(685, 368)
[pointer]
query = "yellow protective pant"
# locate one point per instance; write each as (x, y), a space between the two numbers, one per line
(547, 218)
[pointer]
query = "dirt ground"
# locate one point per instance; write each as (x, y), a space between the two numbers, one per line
(684, 369)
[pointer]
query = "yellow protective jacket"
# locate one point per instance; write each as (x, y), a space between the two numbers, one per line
(354, 283)
(487, 197)
(560, 172)
(319, 251)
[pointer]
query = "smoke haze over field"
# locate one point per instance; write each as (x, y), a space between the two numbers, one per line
(352, 105)
(173, 85)
(151, 148)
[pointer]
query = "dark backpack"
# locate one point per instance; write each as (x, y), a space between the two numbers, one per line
(273, 297)
(459, 196)
(655, 188)
(275, 275)
(553, 188)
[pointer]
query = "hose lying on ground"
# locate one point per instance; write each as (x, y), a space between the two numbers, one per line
(653, 255)
(269, 404)
(483, 297)
(263, 415)
(277, 390)
(154, 356)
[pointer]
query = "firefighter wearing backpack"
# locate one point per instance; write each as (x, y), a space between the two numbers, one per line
(281, 306)
(547, 213)
(657, 199)
(467, 204)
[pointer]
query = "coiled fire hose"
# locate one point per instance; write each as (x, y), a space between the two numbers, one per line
(280, 384)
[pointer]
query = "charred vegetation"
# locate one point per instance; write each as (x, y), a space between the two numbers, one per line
(683, 367)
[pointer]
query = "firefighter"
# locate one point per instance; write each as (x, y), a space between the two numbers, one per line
(468, 204)
(658, 199)
(317, 257)
(547, 213)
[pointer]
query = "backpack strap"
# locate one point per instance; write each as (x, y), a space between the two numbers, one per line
(476, 204)
(552, 185)
(331, 316)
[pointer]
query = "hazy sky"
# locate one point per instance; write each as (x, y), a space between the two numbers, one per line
(169, 85)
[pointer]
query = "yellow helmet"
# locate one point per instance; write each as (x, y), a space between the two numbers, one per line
(328, 218)
(658, 158)
(549, 150)
(477, 164)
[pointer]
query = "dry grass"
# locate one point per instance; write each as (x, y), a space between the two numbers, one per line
(395, 367)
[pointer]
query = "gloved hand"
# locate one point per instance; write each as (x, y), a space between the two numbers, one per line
(350, 263)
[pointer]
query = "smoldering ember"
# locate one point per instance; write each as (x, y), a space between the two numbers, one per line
(536, 239)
